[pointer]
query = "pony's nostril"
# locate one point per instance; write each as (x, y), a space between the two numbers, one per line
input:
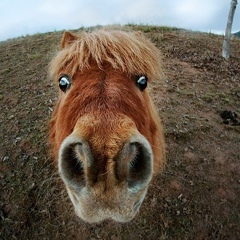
(71, 165)
(72, 162)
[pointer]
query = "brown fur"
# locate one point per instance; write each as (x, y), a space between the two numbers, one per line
(103, 105)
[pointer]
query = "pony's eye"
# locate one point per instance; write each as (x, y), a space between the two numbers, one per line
(64, 83)
(141, 82)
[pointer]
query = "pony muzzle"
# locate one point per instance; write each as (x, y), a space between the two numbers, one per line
(115, 190)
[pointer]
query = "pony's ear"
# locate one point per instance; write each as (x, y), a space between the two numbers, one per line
(67, 39)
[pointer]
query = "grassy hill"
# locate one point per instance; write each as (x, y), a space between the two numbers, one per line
(197, 196)
(237, 34)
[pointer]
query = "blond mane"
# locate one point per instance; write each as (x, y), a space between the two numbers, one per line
(130, 52)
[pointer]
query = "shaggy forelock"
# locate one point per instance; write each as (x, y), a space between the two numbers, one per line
(130, 52)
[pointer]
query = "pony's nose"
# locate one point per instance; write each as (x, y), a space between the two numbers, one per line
(133, 163)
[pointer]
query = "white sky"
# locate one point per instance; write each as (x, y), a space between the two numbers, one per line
(21, 17)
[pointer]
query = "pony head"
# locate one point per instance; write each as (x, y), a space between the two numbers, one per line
(105, 133)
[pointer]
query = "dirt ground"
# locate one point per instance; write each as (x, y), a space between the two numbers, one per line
(198, 194)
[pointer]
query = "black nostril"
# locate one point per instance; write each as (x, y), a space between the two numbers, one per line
(140, 167)
(76, 163)
(72, 166)
(135, 163)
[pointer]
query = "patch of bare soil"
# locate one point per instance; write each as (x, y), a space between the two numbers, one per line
(198, 194)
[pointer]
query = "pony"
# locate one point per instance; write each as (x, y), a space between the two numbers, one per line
(106, 137)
